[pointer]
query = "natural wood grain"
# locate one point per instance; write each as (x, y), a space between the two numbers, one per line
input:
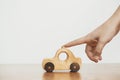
(62, 64)
(62, 76)
(36, 72)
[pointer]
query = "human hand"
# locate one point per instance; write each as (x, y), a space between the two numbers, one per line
(97, 39)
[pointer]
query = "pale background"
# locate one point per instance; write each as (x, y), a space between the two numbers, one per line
(31, 30)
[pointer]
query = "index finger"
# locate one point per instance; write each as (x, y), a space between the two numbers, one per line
(79, 41)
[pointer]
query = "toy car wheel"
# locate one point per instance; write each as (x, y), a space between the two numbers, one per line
(74, 67)
(49, 67)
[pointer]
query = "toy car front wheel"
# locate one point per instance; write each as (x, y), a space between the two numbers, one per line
(49, 67)
(74, 67)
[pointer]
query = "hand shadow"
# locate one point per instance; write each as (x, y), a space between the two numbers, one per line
(61, 76)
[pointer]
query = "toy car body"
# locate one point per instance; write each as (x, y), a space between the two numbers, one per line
(70, 63)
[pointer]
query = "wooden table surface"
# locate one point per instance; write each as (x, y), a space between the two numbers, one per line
(35, 72)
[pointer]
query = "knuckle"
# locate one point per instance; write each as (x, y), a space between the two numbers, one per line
(102, 41)
(97, 51)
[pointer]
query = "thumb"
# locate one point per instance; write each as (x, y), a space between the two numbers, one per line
(79, 41)
(98, 49)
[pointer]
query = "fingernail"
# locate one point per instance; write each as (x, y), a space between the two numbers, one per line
(63, 47)
(100, 58)
(96, 61)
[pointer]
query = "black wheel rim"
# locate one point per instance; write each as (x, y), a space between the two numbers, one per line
(49, 67)
(74, 67)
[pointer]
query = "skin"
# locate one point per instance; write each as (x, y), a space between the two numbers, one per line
(98, 38)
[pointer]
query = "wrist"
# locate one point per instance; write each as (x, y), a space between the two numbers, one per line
(116, 17)
(114, 20)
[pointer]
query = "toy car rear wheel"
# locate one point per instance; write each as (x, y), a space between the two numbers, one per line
(49, 67)
(74, 67)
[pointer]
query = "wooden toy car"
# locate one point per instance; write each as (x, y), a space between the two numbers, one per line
(71, 63)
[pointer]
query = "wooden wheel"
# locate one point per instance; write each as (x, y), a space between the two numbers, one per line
(74, 67)
(49, 67)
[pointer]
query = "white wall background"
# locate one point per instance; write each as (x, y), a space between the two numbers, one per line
(31, 30)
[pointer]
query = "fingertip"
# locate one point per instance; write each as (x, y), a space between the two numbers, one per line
(96, 61)
(93, 59)
(79, 41)
(64, 46)
(100, 58)
(97, 58)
